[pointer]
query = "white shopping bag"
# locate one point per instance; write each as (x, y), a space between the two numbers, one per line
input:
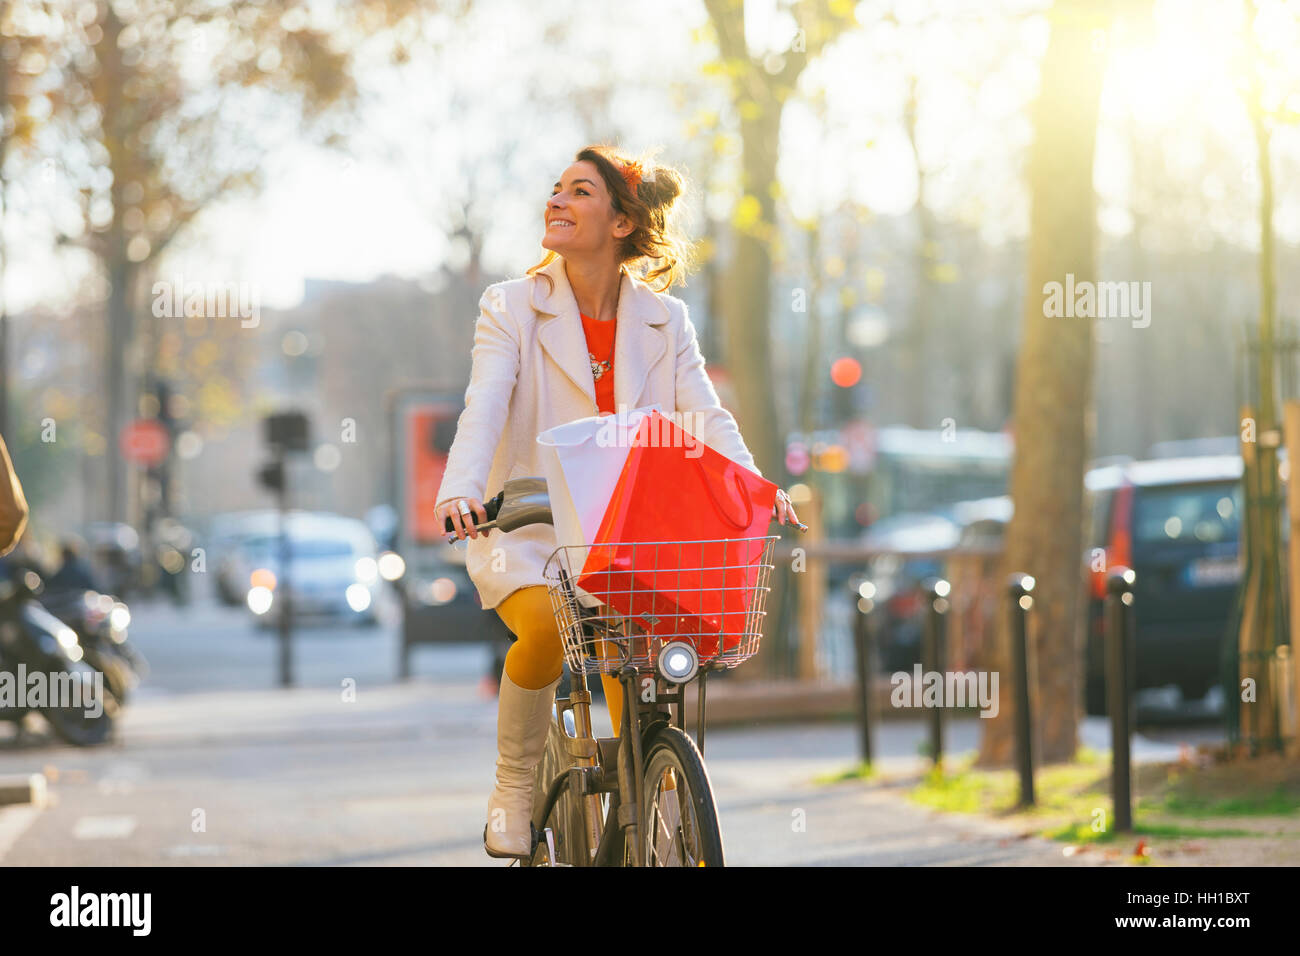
(582, 461)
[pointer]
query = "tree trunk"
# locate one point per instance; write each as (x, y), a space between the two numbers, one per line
(118, 270)
(916, 340)
(760, 93)
(746, 311)
(1052, 420)
(811, 387)
(118, 384)
(747, 306)
(1264, 625)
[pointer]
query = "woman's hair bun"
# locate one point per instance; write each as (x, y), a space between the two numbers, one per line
(660, 189)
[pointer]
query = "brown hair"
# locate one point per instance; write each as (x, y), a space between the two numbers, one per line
(648, 207)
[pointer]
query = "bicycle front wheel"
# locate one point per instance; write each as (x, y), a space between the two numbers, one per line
(679, 819)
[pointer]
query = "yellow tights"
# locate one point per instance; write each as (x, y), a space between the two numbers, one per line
(537, 656)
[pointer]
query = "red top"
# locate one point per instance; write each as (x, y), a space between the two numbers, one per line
(600, 352)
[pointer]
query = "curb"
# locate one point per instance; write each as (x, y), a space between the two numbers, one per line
(785, 701)
(24, 789)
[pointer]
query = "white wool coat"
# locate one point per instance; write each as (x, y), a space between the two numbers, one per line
(531, 372)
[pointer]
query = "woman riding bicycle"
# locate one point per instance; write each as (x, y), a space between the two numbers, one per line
(579, 335)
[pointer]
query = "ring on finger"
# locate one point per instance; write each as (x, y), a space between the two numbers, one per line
(463, 507)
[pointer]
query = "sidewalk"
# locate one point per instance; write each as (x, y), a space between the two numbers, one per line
(400, 777)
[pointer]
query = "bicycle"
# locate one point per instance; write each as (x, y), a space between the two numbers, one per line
(642, 798)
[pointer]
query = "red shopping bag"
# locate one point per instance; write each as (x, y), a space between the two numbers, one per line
(674, 487)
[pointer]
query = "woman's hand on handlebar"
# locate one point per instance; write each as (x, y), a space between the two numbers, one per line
(463, 524)
(784, 508)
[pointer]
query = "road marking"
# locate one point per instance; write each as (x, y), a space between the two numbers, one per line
(104, 828)
(194, 849)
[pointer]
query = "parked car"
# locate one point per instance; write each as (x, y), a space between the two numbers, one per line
(441, 605)
(896, 577)
(1176, 523)
(225, 534)
(333, 570)
(982, 521)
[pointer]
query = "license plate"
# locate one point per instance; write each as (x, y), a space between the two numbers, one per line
(1213, 572)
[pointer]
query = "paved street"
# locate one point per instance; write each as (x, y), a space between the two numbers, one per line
(215, 765)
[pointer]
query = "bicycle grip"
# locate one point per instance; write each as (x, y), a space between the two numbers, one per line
(491, 506)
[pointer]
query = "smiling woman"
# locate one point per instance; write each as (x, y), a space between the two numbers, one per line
(600, 188)
(589, 329)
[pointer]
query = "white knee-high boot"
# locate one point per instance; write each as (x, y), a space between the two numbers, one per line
(523, 717)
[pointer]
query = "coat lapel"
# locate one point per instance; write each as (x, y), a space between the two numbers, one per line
(560, 329)
(639, 340)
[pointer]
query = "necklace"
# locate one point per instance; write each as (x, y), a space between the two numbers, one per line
(599, 368)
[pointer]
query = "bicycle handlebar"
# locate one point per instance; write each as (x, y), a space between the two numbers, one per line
(493, 508)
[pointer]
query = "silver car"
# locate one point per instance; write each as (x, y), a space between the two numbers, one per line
(333, 570)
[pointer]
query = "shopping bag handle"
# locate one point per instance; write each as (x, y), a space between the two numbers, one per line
(744, 496)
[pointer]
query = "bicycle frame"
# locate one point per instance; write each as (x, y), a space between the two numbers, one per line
(614, 766)
(596, 756)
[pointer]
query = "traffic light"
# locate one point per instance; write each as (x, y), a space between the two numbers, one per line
(287, 430)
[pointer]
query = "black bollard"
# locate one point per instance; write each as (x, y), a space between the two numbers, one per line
(1119, 692)
(935, 593)
(1019, 588)
(865, 595)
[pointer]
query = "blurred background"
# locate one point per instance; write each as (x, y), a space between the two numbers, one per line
(242, 250)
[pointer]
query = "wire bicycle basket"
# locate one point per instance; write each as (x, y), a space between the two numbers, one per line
(617, 603)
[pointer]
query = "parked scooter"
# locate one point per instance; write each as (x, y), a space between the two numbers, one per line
(100, 621)
(43, 668)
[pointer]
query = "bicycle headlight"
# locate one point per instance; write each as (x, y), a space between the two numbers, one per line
(678, 662)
